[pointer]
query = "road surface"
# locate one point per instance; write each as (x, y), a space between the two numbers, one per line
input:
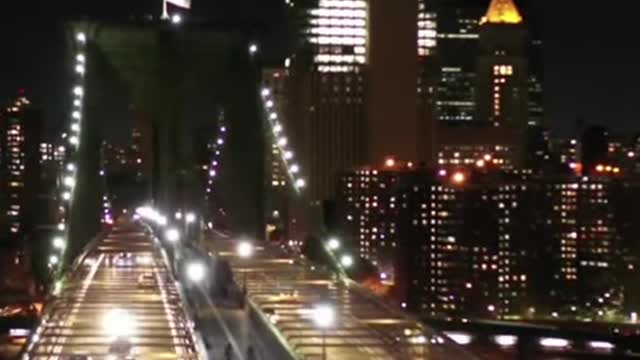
(120, 293)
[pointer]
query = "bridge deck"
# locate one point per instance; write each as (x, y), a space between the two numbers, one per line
(124, 273)
(286, 288)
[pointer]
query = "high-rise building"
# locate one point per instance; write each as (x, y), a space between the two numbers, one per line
(21, 136)
(457, 47)
(353, 103)
(469, 242)
(502, 67)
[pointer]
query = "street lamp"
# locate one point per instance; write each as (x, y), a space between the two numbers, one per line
(118, 323)
(176, 19)
(245, 251)
(172, 235)
(346, 261)
(190, 218)
(324, 316)
(253, 49)
(58, 242)
(333, 244)
(54, 260)
(196, 272)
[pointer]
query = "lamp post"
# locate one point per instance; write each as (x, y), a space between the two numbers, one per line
(324, 317)
(196, 272)
(333, 244)
(346, 261)
(245, 251)
(172, 235)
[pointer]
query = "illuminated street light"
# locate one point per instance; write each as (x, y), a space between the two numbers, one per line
(54, 260)
(118, 323)
(190, 218)
(245, 249)
(172, 235)
(176, 19)
(333, 244)
(80, 69)
(61, 227)
(69, 181)
(253, 49)
(273, 116)
(288, 155)
(178, 215)
(78, 91)
(282, 141)
(81, 37)
(277, 129)
(300, 183)
(196, 272)
(266, 92)
(295, 168)
(346, 261)
(269, 104)
(324, 317)
(74, 140)
(66, 196)
(80, 58)
(75, 127)
(58, 243)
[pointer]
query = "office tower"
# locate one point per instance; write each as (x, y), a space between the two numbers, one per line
(536, 79)
(392, 73)
(455, 54)
(502, 67)
(490, 146)
(352, 102)
(21, 136)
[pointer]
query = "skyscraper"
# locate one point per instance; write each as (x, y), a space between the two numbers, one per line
(502, 67)
(457, 47)
(21, 136)
(353, 102)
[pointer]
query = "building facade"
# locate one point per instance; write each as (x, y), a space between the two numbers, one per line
(466, 242)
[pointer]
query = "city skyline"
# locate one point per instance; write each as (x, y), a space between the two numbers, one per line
(371, 178)
(569, 53)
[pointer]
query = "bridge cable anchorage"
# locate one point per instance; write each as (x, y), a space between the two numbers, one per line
(282, 142)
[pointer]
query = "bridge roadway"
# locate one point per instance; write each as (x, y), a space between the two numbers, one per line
(285, 288)
(119, 288)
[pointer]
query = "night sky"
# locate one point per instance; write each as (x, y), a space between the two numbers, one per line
(591, 56)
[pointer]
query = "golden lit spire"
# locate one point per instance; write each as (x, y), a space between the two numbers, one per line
(502, 12)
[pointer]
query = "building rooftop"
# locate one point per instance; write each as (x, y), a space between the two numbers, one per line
(502, 12)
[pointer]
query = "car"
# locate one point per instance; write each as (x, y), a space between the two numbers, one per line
(146, 281)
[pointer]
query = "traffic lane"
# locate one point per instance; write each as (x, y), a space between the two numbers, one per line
(237, 327)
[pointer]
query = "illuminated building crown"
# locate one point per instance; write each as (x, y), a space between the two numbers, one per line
(502, 12)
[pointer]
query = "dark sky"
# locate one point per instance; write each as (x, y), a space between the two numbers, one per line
(591, 50)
